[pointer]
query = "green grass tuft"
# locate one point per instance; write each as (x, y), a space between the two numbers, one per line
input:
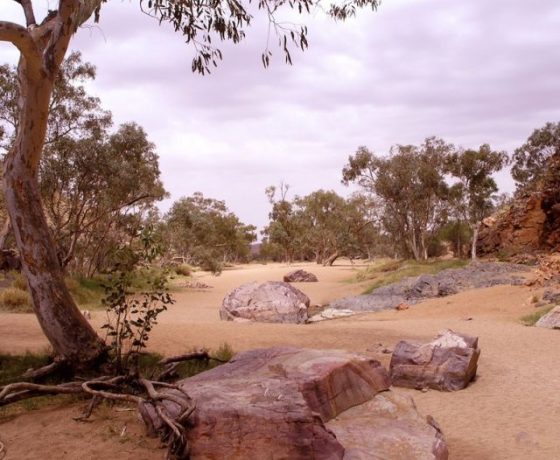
(13, 366)
(531, 319)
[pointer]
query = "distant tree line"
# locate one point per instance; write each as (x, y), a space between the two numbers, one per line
(414, 201)
(100, 186)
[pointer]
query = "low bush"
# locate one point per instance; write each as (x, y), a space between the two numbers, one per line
(183, 270)
(19, 281)
(15, 300)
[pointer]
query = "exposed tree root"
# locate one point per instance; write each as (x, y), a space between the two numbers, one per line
(165, 413)
(44, 371)
(2, 450)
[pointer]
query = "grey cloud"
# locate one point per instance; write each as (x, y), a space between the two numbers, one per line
(470, 72)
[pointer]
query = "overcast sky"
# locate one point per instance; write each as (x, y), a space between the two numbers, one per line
(470, 72)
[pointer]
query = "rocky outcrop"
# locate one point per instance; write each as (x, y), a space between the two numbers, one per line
(531, 222)
(551, 320)
(448, 363)
(518, 228)
(300, 276)
(278, 402)
(410, 291)
(270, 302)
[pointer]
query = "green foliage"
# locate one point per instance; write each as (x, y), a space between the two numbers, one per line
(13, 366)
(204, 24)
(383, 277)
(97, 186)
(15, 300)
(410, 189)
(457, 234)
(532, 318)
(205, 233)
(132, 316)
(320, 226)
(531, 159)
(86, 291)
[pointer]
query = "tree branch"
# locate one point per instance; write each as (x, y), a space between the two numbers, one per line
(20, 38)
(28, 11)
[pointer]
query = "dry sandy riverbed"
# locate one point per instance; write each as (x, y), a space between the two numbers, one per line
(512, 411)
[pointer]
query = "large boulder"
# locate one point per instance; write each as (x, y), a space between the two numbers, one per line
(388, 427)
(300, 276)
(270, 302)
(277, 402)
(551, 320)
(447, 363)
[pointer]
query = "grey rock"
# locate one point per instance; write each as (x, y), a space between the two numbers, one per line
(270, 302)
(551, 296)
(330, 313)
(300, 276)
(413, 290)
(551, 320)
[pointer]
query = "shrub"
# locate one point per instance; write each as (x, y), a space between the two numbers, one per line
(183, 270)
(16, 300)
(19, 282)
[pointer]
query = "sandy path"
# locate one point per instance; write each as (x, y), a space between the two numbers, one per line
(512, 411)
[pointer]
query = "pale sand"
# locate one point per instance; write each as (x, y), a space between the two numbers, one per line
(512, 411)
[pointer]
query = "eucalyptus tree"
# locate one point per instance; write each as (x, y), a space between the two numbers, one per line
(531, 159)
(95, 190)
(472, 196)
(42, 46)
(88, 177)
(410, 186)
(204, 232)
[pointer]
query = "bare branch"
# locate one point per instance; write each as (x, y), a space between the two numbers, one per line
(28, 11)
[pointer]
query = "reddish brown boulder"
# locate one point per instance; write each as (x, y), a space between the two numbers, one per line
(388, 427)
(447, 363)
(300, 276)
(274, 403)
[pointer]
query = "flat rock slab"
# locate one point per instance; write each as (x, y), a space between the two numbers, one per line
(300, 276)
(447, 363)
(270, 302)
(330, 313)
(413, 290)
(275, 404)
(388, 427)
(551, 320)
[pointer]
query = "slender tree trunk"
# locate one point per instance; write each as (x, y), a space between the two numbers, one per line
(474, 241)
(331, 259)
(6, 228)
(67, 330)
